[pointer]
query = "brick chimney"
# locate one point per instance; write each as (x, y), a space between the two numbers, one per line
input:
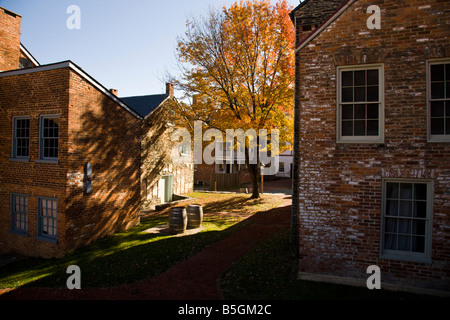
(9, 40)
(170, 89)
(114, 92)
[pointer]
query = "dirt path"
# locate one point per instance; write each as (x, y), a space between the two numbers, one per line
(192, 279)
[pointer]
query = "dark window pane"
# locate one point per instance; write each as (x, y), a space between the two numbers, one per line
(392, 190)
(360, 94)
(360, 78)
(347, 94)
(372, 77)
(406, 191)
(360, 111)
(392, 208)
(372, 111)
(404, 243)
(347, 112)
(347, 128)
(418, 244)
(447, 126)
(437, 108)
(347, 78)
(447, 108)
(437, 126)
(372, 127)
(390, 242)
(360, 128)
(437, 90)
(372, 94)
(418, 227)
(405, 208)
(404, 226)
(447, 90)
(420, 191)
(447, 72)
(437, 72)
(391, 225)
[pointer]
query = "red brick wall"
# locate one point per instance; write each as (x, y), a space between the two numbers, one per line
(340, 185)
(32, 95)
(93, 128)
(9, 40)
(102, 133)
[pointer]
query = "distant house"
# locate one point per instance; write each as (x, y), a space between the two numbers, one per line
(161, 176)
(73, 156)
(371, 158)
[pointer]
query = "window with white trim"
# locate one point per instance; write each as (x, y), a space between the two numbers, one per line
(21, 138)
(47, 218)
(438, 75)
(19, 213)
(360, 97)
(407, 220)
(49, 138)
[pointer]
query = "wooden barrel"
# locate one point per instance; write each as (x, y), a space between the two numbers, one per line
(195, 216)
(177, 220)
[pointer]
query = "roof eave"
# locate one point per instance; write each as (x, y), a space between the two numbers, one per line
(72, 66)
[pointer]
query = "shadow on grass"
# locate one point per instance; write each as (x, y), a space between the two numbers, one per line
(122, 258)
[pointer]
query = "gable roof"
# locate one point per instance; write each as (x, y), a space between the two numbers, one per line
(72, 66)
(318, 12)
(314, 11)
(145, 105)
(27, 54)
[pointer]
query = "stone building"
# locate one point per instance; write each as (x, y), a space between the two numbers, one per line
(372, 133)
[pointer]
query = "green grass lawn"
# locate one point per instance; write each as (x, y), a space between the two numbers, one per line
(134, 255)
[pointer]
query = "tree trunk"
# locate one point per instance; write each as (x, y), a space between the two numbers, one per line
(254, 171)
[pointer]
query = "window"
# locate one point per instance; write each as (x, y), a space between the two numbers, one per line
(21, 138)
(438, 75)
(360, 104)
(19, 213)
(281, 168)
(406, 224)
(49, 138)
(47, 218)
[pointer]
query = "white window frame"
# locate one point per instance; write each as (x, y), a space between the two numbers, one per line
(41, 138)
(360, 139)
(41, 235)
(431, 137)
(14, 213)
(409, 255)
(14, 139)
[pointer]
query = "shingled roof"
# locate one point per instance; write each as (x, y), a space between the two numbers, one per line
(144, 105)
(315, 12)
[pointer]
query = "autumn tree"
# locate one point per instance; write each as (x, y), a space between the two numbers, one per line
(237, 69)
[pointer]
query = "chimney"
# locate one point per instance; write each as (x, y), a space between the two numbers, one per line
(170, 89)
(9, 40)
(114, 92)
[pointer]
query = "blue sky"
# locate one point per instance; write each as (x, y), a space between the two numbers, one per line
(124, 44)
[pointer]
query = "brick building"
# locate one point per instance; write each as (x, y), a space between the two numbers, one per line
(372, 134)
(162, 177)
(71, 153)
